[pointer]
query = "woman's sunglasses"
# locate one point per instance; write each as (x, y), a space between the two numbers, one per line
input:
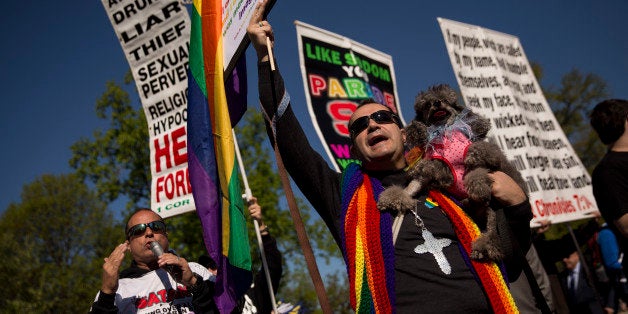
(156, 226)
(381, 117)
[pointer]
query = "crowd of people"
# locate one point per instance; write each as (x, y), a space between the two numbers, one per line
(413, 261)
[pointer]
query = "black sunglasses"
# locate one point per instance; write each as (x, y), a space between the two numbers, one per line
(381, 117)
(156, 226)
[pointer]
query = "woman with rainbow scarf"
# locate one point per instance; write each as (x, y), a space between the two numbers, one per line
(413, 263)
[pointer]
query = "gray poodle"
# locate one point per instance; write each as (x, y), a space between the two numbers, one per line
(456, 159)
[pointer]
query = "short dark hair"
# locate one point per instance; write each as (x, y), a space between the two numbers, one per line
(608, 119)
(367, 101)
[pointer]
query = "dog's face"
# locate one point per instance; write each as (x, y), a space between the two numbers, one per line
(439, 112)
(437, 105)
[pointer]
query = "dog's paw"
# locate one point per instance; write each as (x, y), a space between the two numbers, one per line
(485, 248)
(485, 155)
(479, 194)
(478, 186)
(396, 199)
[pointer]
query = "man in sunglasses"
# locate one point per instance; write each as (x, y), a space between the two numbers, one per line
(410, 275)
(165, 283)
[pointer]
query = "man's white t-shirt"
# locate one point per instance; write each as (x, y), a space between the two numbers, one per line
(156, 292)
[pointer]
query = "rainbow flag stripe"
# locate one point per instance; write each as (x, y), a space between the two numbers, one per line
(211, 158)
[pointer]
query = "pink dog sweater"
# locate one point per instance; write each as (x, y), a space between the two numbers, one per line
(451, 148)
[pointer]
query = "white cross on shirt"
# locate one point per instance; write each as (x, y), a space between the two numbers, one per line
(435, 247)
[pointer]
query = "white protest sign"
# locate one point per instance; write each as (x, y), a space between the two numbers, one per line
(496, 81)
(155, 38)
(236, 15)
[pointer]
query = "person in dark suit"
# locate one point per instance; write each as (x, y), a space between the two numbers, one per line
(581, 297)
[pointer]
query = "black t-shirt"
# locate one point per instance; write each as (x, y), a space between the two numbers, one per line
(610, 188)
(421, 285)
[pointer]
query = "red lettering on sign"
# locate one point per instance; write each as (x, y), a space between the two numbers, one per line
(390, 101)
(583, 202)
(173, 185)
(179, 146)
(317, 84)
(340, 112)
(174, 149)
(538, 208)
(162, 151)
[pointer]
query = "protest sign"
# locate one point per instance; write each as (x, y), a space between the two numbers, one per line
(337, 74)
(155, 40)
(236, 15)
(496, 81)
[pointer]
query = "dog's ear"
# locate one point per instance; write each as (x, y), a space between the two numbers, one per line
(447, 93)
(459, 106)
(419, 106)
(480, 126)
(450, 95)
(416, 134)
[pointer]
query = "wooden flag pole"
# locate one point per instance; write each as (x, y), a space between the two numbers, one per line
(308, 253)
(270, 53)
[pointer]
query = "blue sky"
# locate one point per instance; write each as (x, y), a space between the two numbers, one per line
(58, 55)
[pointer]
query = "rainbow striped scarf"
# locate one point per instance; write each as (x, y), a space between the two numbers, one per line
(369, 256)
(488, 274)
(368, 247)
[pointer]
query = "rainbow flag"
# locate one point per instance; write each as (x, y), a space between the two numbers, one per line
(211, 158)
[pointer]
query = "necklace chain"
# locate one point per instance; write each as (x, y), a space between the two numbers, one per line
(417, 219)
(431, 244)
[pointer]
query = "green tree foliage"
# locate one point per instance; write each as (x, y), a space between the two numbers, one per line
(116, 160)
(298, 289)
(186, 235)
(572, 103)
(51, 247)
(296, 285)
